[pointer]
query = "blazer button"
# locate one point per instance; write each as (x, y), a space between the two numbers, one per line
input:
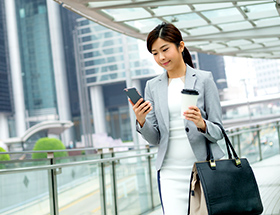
(187, 129)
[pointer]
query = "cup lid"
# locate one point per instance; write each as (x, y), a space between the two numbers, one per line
(190, 92)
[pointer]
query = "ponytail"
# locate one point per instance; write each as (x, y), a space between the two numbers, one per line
(187, 57)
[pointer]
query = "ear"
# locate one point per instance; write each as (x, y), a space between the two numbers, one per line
(182, 46)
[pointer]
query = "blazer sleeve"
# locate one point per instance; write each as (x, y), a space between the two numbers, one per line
(150, 130)
(213, 110)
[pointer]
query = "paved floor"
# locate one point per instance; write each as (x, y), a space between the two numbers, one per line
(267, 173)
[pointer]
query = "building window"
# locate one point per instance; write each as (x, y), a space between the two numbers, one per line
(85, 30)
(86, 39)
(87, 47)
(84, 22)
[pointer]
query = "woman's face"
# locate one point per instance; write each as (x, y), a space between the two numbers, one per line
(167, 54)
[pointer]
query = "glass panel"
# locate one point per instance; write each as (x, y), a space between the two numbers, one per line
(236, 26)
(269, 141)
(107, 3)
(221, 13)
(238, 42)
(260, 7)
(145, 25)
(250, 2)
(224, 15)
(201, 7)
(133, 192)
(183, 17)
(78, 190)
(154, 178)
(23, 163)
(169, 10)
(249, 146)
(268, 22)
(128, 13)
(203, 30)
(78, 156)
(25, 193)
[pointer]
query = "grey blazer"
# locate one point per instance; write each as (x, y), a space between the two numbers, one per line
(156, 127)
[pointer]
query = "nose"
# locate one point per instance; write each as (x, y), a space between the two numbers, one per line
(161, 56)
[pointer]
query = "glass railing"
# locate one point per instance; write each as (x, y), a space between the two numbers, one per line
(256, 141)
(106, 181)
(101, 183)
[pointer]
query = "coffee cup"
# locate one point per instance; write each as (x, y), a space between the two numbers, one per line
(189, 98)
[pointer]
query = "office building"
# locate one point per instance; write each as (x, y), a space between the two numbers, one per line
(216, 65)
(109, 62)
(38, 70)
(6, 108)
(68, 68)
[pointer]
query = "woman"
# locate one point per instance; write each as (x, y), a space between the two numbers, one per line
(181, 142)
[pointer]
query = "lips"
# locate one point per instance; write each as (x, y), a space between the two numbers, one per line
(166, 63)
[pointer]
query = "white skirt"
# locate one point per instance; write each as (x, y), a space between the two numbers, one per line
(174, 176)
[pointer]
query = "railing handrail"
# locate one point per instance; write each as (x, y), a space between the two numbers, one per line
(55, 166)
(254, 124)
(74, 150)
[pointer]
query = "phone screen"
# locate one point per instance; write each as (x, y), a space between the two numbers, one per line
(133, 94)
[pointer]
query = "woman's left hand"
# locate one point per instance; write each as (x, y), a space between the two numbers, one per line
(193, 114)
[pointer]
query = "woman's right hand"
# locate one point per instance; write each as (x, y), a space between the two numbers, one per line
(141, 110)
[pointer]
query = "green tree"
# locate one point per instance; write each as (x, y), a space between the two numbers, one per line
(3, 157)
(46, 143)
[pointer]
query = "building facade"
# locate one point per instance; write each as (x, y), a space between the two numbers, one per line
(38, 70)
(6, 107)
(109, 62)
(65, 67)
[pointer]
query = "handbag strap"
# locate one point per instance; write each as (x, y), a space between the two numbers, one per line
(229, 146)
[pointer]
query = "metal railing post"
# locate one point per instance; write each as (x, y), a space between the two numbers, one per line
(52, 186)
(102, 184)
(278, 131)
(114, 184)
(238, 143)
(259, 142)
(150, 177)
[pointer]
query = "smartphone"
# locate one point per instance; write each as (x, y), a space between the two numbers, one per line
(133, 94)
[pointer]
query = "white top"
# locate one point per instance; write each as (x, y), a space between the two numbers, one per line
(179, 152)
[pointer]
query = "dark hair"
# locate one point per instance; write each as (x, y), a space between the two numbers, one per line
(169, 33)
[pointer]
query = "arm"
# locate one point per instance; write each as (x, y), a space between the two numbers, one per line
(146, 123)
(211, 111)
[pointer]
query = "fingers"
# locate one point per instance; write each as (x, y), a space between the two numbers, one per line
(142, 108)
(193, 114)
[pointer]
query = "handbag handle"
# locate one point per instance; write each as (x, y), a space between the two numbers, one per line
(229, 146)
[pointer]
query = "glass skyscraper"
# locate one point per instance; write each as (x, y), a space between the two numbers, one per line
(5, 85)
(36, 58)
(6, 104)
(37, 64)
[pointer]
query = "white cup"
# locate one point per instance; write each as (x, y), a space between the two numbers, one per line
(189, 98)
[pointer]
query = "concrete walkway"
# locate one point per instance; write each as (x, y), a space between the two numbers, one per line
(267, 173)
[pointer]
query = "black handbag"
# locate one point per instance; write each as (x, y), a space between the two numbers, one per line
(224, 187)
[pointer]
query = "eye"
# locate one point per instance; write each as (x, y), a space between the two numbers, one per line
(165, 49)
(154, 54)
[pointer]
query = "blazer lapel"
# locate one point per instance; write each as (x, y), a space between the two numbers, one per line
(190, 79)
(162, 95)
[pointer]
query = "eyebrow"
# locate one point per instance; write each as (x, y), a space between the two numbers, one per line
(160, 47)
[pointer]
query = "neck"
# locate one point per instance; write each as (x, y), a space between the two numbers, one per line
(178, 72)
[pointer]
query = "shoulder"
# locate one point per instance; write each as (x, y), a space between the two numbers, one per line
(202, 74)
(156, 79)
